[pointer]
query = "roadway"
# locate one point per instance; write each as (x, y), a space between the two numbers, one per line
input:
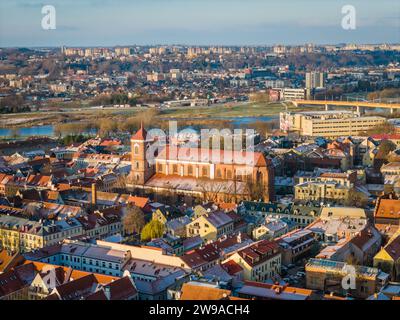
(357, 104)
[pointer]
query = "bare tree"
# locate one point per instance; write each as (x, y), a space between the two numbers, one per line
(210, 190)
(133, 220)
(356, 199)
(255, 189)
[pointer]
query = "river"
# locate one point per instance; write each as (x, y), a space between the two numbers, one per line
(48, 130)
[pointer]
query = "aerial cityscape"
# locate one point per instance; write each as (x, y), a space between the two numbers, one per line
(194, 155)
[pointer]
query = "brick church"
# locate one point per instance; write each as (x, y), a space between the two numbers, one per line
(193, 172)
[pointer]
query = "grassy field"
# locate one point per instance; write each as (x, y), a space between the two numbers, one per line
(229, 111)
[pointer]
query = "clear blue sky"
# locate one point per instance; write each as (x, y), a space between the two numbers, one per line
(197, 22)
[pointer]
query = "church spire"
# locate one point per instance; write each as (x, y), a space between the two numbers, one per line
(140, 134)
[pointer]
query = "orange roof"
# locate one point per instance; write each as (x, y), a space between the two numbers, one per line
(52, 195)
(138, 201)
(333, 297)
(107, 143)
(8, 261)
(75, 274)
(63, 186)
(38, 180)
(203, 292)
(227, 206)
(388, 208)
(302, 291)
(237, 298)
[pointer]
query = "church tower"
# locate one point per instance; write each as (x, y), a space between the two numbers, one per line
(141, 170)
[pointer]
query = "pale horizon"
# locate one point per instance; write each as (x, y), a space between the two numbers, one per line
(106, 23)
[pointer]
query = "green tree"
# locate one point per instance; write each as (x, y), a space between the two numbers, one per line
(154, 229)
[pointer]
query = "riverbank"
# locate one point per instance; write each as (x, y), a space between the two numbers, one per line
(72, 115)
(44, 124)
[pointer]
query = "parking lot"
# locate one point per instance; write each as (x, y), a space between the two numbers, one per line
(294, 275)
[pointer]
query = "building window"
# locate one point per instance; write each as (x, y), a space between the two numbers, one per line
(175, 168)
(190, 170)
(204, 171)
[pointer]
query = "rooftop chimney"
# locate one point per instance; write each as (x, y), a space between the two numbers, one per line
(94, 194)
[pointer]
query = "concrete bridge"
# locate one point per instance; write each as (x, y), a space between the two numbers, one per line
(359, 105)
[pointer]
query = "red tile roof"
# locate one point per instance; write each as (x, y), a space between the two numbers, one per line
(393, 248)
(259, 252)
(77, 289)
(10, 282)
(232, 267)
(285, 288)
(386, 137)
(211, 156)
(122, 289)
(141, 134)
(212, 251)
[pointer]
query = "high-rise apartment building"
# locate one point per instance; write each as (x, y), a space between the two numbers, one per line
(315, 80)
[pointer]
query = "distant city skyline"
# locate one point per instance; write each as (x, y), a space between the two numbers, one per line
(197, 22)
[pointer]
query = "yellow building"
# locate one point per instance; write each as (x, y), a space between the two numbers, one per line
(260, 261)
(9, 185)
(368, 158)
(322, 191)
(388, 259)
(327, 275)
(328, 186)
(24, 235)
(210, 226)
(9, 239)
(328, 123)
